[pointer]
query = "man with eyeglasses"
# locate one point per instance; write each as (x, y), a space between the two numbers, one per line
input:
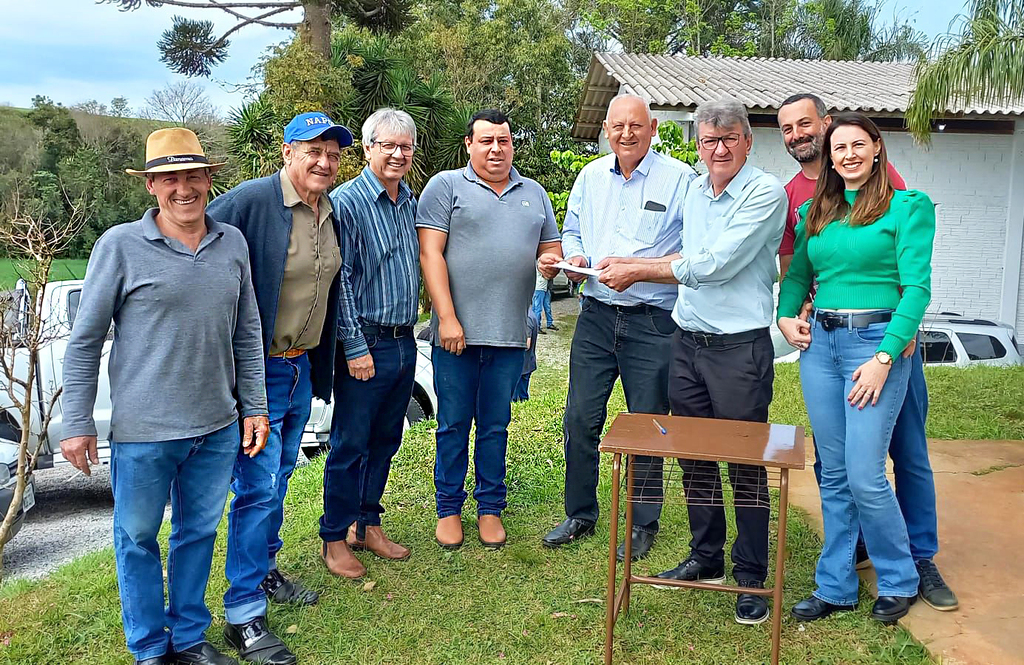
(722, 353)
(376, 361)
(629, 203)
(293, 238)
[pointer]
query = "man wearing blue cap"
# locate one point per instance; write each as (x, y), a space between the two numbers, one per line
(293, 235)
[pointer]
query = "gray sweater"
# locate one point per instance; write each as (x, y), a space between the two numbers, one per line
(187, 349)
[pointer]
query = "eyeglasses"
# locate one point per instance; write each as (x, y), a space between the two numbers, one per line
(314, 154)
(711, 142)
(388, 148)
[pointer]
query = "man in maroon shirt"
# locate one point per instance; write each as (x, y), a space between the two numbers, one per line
(803, 120)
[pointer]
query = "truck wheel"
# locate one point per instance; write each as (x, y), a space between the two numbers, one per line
(415, 412)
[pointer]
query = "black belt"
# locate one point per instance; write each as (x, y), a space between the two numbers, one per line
(630, 309)
(715, 339)
(833, 320)
(387, 331)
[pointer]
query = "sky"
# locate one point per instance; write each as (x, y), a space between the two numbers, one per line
(73, 51)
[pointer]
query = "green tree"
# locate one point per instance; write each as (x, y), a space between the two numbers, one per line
(191, 47)
(850, 30)
(984, 63)
(60, 132)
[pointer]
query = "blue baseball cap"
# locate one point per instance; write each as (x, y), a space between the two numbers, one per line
(316, 125)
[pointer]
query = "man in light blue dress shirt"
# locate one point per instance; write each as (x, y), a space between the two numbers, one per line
(630, 204)
(722, 355)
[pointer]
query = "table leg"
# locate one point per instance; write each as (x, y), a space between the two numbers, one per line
(613, 537)
(780, 564)
(627, 565)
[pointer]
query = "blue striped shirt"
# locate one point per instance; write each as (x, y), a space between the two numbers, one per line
(608, 215)
(380, 254)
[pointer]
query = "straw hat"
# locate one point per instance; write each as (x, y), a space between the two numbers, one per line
(174, 149)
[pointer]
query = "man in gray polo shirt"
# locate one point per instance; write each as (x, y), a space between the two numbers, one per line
(481, 230)
(176, 285)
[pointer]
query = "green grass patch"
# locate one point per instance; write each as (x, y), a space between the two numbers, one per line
(62, 269)
(964, 403)
(522, 604)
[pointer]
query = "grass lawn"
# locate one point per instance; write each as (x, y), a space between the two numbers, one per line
(62, 269)
(522, 604)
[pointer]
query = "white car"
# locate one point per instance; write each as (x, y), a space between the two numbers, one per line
(947, 339)
(422, 405)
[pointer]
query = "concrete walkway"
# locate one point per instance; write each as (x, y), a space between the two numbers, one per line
(980, 487)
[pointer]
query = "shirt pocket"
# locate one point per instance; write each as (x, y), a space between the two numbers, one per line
(646, 227)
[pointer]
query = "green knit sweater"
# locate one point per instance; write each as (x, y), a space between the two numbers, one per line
(884, 265)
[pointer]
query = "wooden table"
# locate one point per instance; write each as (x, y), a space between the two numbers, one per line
(772, 446)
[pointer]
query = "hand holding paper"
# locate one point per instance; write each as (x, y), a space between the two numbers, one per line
(568, 267)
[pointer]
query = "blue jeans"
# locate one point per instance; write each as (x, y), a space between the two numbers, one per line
(522, 391)
(542, 299)
(915, 484)
(194, 473)
(260, 484)
(366, 432)
(853, 444)
(476, 385)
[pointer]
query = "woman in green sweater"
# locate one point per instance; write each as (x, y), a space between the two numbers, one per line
(869, 247)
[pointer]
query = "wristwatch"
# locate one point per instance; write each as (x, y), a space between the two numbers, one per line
(883, 358)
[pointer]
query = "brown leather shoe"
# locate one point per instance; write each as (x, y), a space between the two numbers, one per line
(340, 560)
(492, 531)
(378, 543)
(448, 533)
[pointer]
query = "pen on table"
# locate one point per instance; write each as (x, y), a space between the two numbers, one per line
(658, 425)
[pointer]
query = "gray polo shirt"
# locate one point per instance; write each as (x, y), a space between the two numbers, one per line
(187, 337)
(491, 250)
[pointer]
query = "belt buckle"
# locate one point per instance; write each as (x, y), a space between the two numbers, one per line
(394, 332)
(704, 337)
(829, 322)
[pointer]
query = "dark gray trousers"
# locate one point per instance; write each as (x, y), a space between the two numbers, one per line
(731, 381)
(633, 343)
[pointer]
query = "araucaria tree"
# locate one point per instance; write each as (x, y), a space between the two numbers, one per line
(192, 47)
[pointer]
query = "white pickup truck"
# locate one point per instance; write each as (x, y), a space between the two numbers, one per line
(60, 304)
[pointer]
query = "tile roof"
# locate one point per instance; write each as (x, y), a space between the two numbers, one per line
(760, 83)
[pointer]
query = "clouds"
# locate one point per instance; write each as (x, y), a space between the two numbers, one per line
(74, 50)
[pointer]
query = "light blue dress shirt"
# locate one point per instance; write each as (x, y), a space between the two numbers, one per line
(608, 215)
(729, 243)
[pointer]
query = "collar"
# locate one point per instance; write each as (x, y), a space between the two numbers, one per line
(735, 186)
(291, 195)
(152, 232)
(643, 168)
(377, 187)
(513, 177)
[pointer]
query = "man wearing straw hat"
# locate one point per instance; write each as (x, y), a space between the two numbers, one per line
(177, 286)
(293, 235)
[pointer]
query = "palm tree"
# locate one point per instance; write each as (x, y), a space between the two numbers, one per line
(983, 64)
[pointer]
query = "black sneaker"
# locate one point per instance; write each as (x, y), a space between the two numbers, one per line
(552, 326)
(203, 653)
(256, 644)
(750, 609)
(281, 590)
(692, 570)
(933, 589)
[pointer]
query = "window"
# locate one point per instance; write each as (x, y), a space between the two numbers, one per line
(937, 347)
(74, 298)
(982, 347)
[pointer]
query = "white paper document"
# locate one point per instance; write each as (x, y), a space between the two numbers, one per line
(583, 271)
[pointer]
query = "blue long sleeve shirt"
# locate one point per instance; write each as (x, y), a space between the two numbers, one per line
(608, 215)
(380, 254)
(729, 243)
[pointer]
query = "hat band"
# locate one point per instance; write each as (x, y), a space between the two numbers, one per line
(176, 159)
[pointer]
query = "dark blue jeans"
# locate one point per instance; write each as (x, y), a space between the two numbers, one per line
(260, 484)
(194, 473)
(522, 391)
(610, 342)
(915, 485)
(476, 385)
(366, 432)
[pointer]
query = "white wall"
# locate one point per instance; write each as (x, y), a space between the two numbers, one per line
(968, 176)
